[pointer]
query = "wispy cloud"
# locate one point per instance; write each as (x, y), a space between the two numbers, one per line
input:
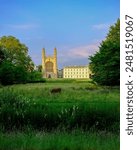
(77, 55)
(83, 51)
(101, 26)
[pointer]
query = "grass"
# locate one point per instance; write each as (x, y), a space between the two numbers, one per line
(82, 117)
(76, 140)
(70, 92)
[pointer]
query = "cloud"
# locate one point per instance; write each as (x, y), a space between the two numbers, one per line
(101, 26)
(77, 55)
(83, 51)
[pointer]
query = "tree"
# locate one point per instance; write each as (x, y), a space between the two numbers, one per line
(2, 56)
(16, 52)
(105, 64)
(15, 63)
(7, 75)
(40, 68)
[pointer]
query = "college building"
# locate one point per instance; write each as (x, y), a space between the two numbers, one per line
(76, 72)
(50, 68)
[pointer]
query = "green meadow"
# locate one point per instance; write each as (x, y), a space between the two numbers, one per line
(82, 116)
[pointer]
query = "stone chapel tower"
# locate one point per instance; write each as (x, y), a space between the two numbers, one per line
(49, 64)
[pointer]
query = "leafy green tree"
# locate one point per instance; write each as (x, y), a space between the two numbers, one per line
(16, 52)
(15, 63)
(40, 68)
(21, 75)
(35, 76)
(105, 64)
(2, 56)
(7, 75)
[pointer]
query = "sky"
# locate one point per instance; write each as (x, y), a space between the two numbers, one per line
(75, 27)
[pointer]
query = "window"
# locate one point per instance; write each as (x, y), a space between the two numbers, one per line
(49, 66)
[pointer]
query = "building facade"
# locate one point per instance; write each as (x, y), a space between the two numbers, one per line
(76, 72)
(49, 64)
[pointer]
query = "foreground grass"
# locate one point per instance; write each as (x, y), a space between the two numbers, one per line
(54, 118)
(59, 141)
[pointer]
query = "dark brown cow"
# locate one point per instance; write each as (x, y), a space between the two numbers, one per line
(56, 90)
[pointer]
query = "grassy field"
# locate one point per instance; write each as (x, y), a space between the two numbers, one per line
(82, 116)
(59, 141)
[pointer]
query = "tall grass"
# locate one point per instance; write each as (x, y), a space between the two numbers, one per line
(82, 117)
(61, 80)
(76, 140)
(73, 108)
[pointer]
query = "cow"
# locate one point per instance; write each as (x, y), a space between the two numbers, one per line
(55, 90)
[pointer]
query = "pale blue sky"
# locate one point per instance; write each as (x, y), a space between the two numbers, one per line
(74, 27)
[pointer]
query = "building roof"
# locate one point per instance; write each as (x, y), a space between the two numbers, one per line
(76, 66)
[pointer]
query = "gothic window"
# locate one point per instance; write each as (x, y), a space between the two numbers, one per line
(49, 66)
